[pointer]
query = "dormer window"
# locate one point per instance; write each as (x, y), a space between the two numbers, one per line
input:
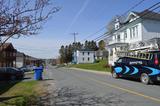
(117, 24)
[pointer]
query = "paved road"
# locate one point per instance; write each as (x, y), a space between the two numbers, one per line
(79, 88)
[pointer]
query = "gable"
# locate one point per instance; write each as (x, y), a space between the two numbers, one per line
(131, 17)
(7, 47)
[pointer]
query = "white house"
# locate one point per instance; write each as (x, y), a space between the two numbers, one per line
(130, 34)
(84, 56)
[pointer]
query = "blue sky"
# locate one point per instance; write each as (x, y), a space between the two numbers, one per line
(82, 16)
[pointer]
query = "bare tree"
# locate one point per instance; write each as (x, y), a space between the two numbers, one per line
(23, 17)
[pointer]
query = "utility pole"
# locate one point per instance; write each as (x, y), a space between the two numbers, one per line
(74, 35)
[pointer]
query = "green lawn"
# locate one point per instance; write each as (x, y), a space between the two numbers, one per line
(100, 66)
(20, 93)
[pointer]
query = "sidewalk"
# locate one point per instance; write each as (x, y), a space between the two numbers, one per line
(92, 71)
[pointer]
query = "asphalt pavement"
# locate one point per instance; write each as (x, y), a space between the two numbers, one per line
(83, 88)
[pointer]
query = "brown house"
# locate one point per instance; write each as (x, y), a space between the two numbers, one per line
(7, 55)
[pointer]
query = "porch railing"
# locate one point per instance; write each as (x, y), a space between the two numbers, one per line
(116, 41)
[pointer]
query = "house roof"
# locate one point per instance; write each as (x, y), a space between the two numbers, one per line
(146, 14)
(7, 46)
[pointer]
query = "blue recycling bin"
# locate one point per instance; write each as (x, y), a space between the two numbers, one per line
(38, 73)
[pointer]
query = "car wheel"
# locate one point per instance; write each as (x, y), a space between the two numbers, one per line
(145, 78)
(114, 74)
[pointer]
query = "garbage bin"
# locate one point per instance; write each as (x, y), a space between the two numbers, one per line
(38, 73)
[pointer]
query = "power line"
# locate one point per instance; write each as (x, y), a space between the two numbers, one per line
(100, 36)
(136, 5)
(99, 30)
(103, 35)
(152, 8)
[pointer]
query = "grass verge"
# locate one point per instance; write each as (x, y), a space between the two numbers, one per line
(100, 66)
(21, 93)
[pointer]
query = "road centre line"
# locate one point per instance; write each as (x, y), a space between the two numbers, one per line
(122, 89)
(126, 90)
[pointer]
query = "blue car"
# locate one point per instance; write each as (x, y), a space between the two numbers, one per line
(147, 70)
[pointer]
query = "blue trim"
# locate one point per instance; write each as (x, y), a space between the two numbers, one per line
(154, 71)
(118, 69)
(127, 69)
(135, 71)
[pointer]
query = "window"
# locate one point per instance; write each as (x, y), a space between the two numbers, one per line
(125, 34)
(114, 36)
(83, 58)
(117, 26)
(118, 38)
(83, 53)
(88, 58)
(130, 33)
(133, 32)
(136, 31)
(88, 53)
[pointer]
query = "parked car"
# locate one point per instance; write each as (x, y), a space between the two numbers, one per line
(29, 67)
(26, 68)
(146, 70)
(10, 73)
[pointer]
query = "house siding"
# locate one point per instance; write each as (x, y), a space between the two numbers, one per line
(127, 29)
(7, 56)
(83, 56)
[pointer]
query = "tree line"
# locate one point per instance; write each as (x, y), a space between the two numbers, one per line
(66, 52)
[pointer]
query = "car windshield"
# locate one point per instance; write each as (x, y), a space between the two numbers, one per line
(119, 60)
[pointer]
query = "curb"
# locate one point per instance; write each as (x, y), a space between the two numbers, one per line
(92, 71)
